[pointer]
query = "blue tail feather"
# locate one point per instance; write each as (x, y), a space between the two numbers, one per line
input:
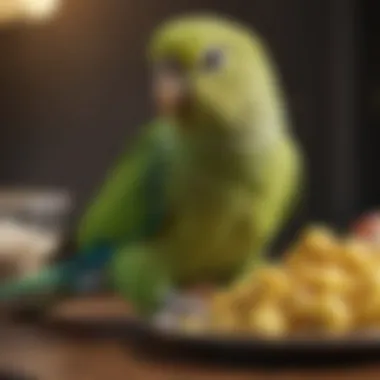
(67, 275)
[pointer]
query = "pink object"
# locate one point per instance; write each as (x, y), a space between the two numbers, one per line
(368, 227)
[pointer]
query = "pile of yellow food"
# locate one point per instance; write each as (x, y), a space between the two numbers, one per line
(324, 284)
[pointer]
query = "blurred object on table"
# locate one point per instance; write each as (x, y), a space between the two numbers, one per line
(27, 10)
(32, 223)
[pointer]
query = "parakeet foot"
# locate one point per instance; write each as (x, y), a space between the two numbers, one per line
(180, 303)
(176, 306)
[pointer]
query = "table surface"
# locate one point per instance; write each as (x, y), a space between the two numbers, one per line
(49, 355)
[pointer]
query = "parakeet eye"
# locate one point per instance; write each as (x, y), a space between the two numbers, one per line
(213, 59)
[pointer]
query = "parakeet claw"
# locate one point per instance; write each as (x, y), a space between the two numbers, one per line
(176, 306)
(179, 303)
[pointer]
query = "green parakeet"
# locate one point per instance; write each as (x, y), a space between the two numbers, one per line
(210, 181)
(228, 165)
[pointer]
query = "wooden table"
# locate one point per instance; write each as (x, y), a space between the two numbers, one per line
(50, 355)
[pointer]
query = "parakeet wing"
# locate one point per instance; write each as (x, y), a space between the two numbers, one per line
(130, 205)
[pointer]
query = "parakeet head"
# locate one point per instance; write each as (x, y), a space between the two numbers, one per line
(212, 74)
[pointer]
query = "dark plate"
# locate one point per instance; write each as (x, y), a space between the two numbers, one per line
(227, 350)
(252, 343)
(92, 322)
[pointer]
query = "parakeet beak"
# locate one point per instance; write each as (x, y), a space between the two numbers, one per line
(170, 94)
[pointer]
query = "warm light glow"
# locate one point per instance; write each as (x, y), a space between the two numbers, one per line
(17, 10)
(40, 9)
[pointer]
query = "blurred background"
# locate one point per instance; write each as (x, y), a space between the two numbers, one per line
(74, 90)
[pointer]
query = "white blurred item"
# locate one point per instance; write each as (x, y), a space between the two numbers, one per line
(31, 227)
(39, 201)
(27, 10)
(24, 249)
